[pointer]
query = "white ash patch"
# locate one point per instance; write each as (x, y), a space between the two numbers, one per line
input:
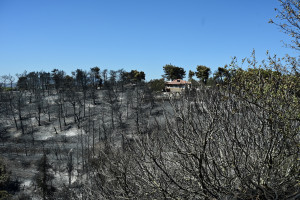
(26, 183)
(72, 132)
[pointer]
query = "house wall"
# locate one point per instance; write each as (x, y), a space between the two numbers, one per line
(174, 89)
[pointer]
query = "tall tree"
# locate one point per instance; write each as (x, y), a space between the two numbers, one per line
(20, 103)
(58, 77)
(173, 72)
(22, 83)
(45, 79)
(104, 77)
(95, 82)
(81, 78)
(33, 81)
(95, 76)
(137, 76)
(203, 73)
(112, 77)
(82, 81)
(44, 177)
(221, 75)
(191, 74)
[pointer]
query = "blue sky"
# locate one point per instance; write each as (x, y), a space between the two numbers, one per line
(145, 35)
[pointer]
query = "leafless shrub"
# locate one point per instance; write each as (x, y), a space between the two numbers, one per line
(214, 145)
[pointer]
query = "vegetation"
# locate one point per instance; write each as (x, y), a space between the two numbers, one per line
(239, 141)
(157, 85)
(191, 74)
(222, 75)
(106, 134)
(44, 177)
(238, 138)
(134, 76)
(172, 72)
(289, 21)
(7, 186)
(203, 73)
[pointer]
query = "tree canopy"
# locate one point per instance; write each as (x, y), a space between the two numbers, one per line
(203, 73)
(191, 74)
(173, 72)
(133, 76)
(221, 75)
(157, 84)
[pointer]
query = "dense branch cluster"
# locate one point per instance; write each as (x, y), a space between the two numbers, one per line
(235, 139)
(240, 141)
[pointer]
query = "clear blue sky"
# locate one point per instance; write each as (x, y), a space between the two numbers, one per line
(145, 35)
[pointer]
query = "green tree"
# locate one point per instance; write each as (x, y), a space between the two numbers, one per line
(95, 76)
(45, 78)
(134, 76)
(222, 74)
(173, 72)
(157, 85)
(22, 83)
(275, 87)
(68, 82)
(81, 79)
(191, 75)
(58, 77)
(33, 81)
(137, 76)
(203, 73)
